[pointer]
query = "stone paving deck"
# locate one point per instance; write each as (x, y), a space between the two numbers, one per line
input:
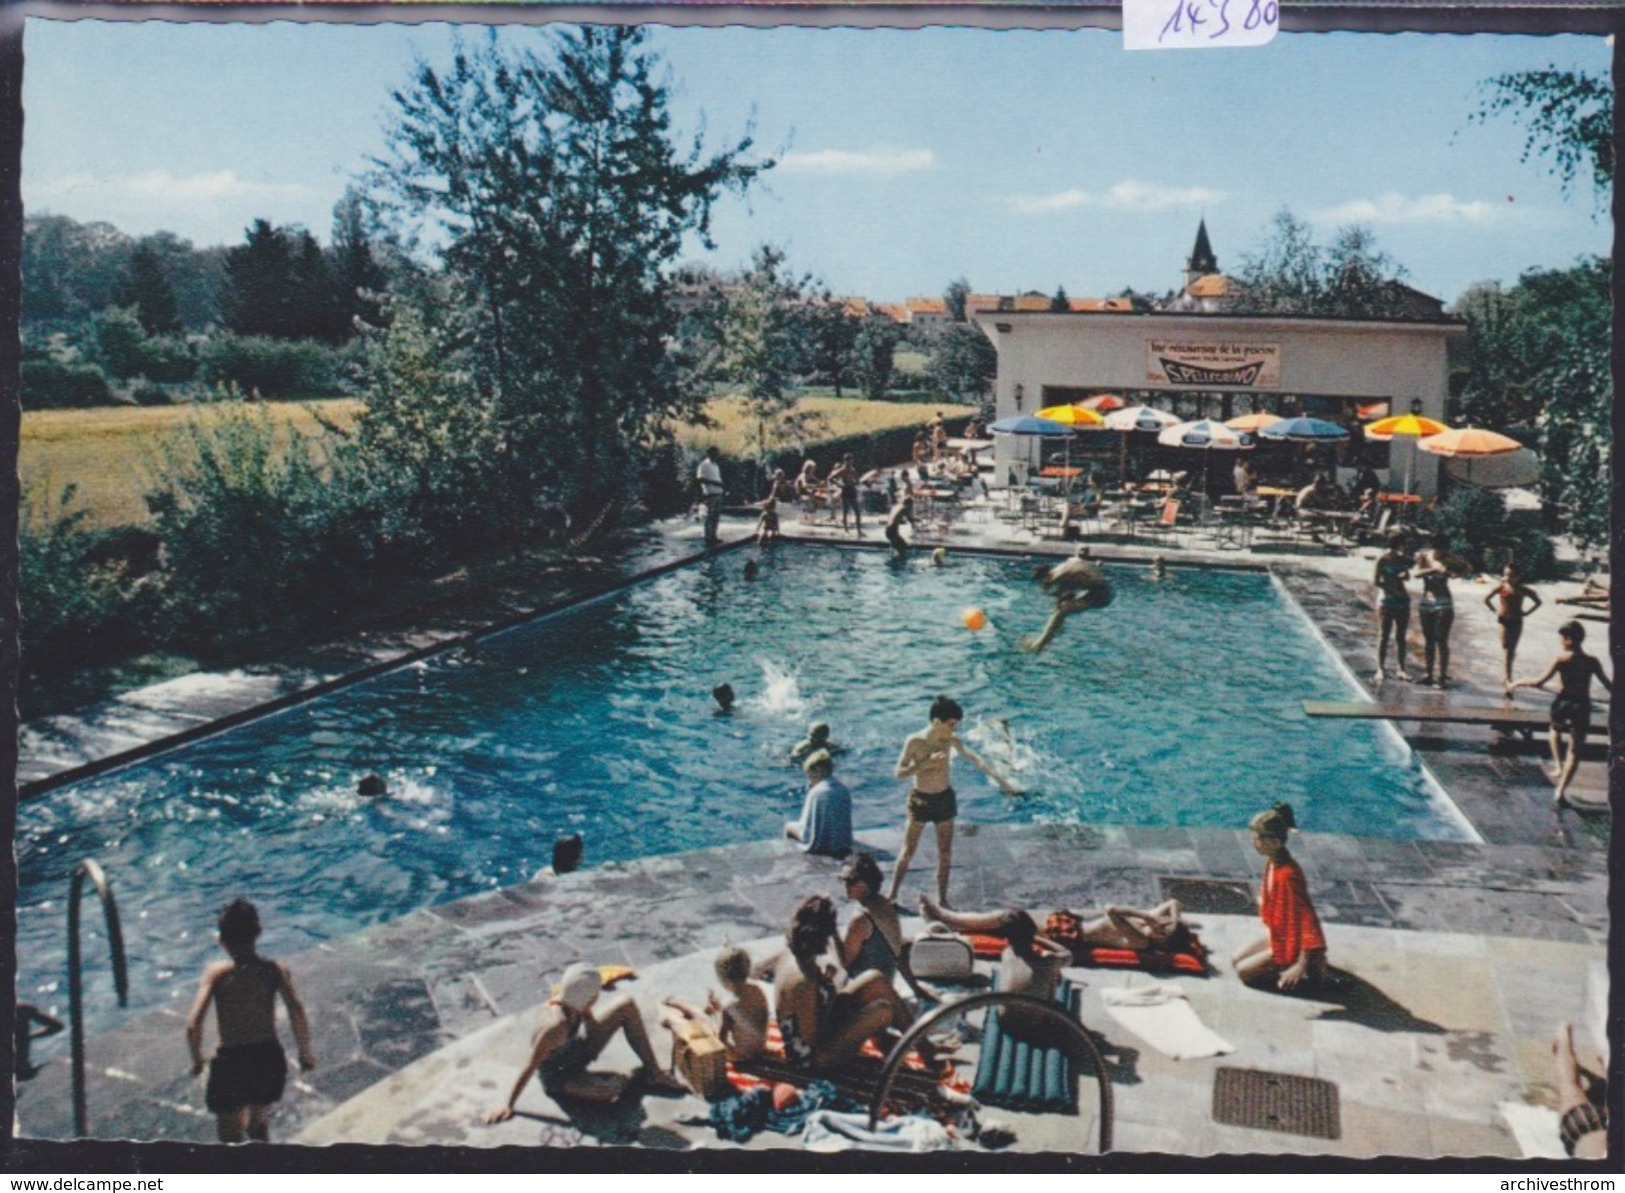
(1470, 953)
(1476, 948)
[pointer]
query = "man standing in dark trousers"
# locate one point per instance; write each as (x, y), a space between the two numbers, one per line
(709, 476)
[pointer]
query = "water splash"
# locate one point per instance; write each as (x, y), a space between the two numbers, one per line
(781, 691)
(1001, 744)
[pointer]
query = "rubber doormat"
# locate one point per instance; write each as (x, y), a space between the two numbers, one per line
(1276, 1102)
(1209, 896)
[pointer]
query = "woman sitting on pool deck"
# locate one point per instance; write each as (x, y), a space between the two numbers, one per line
(569, 1036)
(1295, 948)
(874, 937)
(1571, 707)
(822, 1021)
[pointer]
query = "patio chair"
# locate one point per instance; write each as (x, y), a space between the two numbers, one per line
(1129, 515)
(1166, 522)
(1082, 515)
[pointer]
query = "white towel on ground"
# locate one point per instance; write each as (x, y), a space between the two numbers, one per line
(834, 1131)
(1162, 1017)
(1535, 1129)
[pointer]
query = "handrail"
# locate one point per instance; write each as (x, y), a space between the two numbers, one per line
(115, 942)
(1048, 1008)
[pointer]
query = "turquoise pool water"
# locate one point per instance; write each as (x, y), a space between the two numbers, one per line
(1180, 704)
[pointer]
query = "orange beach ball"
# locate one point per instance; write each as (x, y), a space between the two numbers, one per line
(974, 619)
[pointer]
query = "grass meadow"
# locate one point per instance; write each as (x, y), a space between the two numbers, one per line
(112, 454)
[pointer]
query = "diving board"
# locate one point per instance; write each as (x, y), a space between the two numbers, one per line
(1521, 719)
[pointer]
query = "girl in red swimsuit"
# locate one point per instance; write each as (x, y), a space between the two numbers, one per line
(1295, 948)
(1511, 595)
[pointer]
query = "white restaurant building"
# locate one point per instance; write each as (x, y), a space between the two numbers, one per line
(1210, 363)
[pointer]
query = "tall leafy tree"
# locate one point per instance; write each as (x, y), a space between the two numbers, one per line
(1287, 273)
(555, 184)
(1060, 303)
(963, 364)
(761, 334)
(277, 284)
(1538, 357)
(1569, 118)
(954, 298)
(1292, 274)
(873, 354)
(145, 288)
(69, 269)
(830, 332)
(359, 277)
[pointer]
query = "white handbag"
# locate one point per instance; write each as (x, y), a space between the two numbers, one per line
(941, 954)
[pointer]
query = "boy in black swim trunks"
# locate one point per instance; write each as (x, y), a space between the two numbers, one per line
(925, 759)
(249, 1070)
(1571, 707)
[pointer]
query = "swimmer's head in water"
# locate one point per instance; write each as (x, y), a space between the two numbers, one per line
(750, 569)
(946, 708)
(818, 733)
(939, 556)
(371, 786)
(567, 853)
(723, 694)
(819, 764)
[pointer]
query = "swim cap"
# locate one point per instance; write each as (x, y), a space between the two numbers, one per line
(579, 987)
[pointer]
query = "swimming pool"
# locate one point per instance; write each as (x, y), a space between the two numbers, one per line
(1180, 704)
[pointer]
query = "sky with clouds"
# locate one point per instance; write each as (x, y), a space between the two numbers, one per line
(1015, 159)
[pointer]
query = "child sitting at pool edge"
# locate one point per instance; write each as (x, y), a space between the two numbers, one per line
(739, 1020)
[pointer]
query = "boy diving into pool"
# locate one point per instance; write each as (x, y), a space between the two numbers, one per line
(1077, 585)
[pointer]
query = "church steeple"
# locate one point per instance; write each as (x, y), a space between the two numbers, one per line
(1202, 261)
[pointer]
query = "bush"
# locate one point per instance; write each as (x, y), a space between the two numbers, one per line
(1482, 532)
(145, 393)
(258, 535)
(1533, 553)
(166, 358)
(50, 384)
(272, 368)
(72, 606)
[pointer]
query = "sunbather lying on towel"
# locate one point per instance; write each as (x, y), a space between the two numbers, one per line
(1077, 585)
(1030, 964)
(1124, 928)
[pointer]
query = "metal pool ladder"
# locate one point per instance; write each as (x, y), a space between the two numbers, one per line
(89, 868)
(1062, 1018)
